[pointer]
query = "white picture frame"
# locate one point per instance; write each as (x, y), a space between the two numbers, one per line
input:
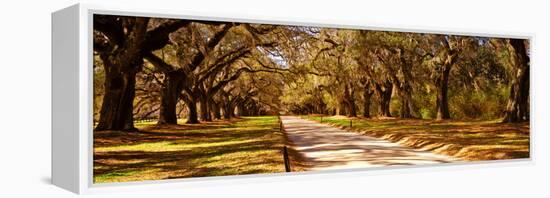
(72, 85)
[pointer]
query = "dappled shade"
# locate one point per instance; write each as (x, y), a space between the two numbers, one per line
(468, 140)
(328, 147)
(247, 146)
(177, 98)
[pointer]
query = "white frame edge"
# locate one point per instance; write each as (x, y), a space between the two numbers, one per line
(72, 90)
(65, 99)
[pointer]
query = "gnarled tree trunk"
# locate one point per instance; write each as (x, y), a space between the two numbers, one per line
(442, 102)
(215, 109)
(367, 94)
(241, 109)
(405, 108)
(191, 103)
(349, 100)
(384, 92)
(442, 81)
(406, 103)
(517, 109)
(170, 93)
(226, 106)
(192, 118)
(231, 110)
(352, 109)
(405, 88)
(117, 108)
(225, 113)
(205, 113)
(121, 65)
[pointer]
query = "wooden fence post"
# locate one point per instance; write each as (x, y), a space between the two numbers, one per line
(286, 160)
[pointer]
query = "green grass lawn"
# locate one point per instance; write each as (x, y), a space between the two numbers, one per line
(245, 146)
(469, 140)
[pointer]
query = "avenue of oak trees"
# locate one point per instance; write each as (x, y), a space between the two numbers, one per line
(203, 70)
(410, 75)
(145, 66)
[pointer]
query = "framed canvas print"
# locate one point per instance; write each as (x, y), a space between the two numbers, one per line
(174, 99)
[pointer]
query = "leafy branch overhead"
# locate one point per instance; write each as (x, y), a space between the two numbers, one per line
(172, 68)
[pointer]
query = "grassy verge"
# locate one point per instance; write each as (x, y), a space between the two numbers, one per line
(246, 146)
(469, 140)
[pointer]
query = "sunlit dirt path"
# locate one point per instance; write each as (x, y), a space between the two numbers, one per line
(326, 147)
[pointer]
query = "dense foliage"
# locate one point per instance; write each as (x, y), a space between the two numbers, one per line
(167, 69)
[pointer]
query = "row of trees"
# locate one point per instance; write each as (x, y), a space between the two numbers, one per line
(412, 75)
(208, 66)
(204, 70)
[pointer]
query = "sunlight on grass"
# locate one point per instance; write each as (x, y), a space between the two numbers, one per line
(168, 146)
(127, 175)
(247, 146)
(145, 123)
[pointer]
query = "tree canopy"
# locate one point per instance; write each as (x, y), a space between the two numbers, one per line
(165, 69)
